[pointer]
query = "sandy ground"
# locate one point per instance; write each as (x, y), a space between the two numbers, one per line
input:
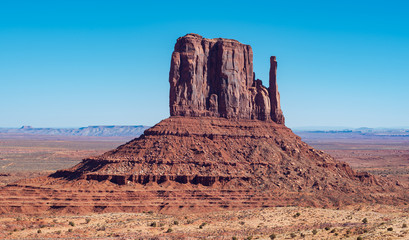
(383, 222)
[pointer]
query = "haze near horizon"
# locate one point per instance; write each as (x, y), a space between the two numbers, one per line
(84, 63)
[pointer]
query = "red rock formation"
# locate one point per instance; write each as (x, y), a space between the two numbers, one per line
(276, 112)
(214, 77)
(226, 158)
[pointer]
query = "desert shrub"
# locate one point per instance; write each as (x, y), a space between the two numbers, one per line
(365, 221)
(58, 232)
(297, 215)
(153, 224)
(202, 225)
(234, 238)
(241, 223)
(87, 220)
(175, 222)
(390, 229)
(293, 235)
(302, 235)
(71, 224)
(404, 225)
(273, 236)
(169, 230)
(70, 230)
(18, 219)
(327, 228)
(101, 228)
(150, 212)
(333, 230)
(189, 221)
(38, 231)
(249, 238)
(314, 232)
(359, 238)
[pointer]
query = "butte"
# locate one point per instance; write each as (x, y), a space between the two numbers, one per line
(224, 146)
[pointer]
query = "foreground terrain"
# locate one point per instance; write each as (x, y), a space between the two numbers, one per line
(368, 222)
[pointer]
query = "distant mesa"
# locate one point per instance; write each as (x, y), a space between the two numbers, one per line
(225, 146)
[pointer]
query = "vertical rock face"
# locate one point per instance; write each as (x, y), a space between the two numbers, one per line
(214, 77)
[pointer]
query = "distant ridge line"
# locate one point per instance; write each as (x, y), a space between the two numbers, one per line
(94, 131)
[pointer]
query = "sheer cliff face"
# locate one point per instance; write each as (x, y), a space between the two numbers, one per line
(214, 77)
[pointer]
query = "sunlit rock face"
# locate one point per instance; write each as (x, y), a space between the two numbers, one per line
(214, 77)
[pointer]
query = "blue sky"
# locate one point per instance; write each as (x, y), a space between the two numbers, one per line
(79, 63)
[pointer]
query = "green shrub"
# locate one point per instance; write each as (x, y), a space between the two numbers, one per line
(71, 224)
(234, 238)
(390, 229)
(404, 225)
(327, 228)
(153, 224)
(297, 215)
(314, 232)
(273, 236)
(333, 230)
(365, 221)
(175, 222)
(169, 230)
(202, 225)
(359, 238)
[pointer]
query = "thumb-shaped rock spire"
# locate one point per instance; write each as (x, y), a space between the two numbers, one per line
(276, 112)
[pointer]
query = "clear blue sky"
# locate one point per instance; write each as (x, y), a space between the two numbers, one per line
(77, 63)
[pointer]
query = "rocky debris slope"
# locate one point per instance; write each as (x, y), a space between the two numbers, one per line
(214, 77)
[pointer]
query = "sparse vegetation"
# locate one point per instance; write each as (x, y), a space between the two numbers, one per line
(404, 225)
(359, 238)
(390, 229)
(297, 215)
(365, 221)
(71, 224)
(314, 232)
(293, 235)
(175, 222)
(87, 220)
(38, 231)
(234, 238)
(153, 224)
(327, 228)
(273, 236)
(169, 230)
(202, 225)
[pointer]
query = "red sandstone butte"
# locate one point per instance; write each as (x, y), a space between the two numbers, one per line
(214, 77)
(225, 146)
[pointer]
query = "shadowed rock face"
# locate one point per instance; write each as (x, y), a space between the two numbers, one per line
(214, 77)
